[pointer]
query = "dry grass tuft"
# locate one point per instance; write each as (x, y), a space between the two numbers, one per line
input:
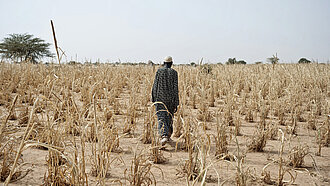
(324, 134)
(140, 172)
(108, 114)
(156, 155)
(56, 162)
(190, 168)
(147, 135)
(258, 140)
(179, 124)
(203, 113)
(272, 129)
(282, 170)
(297, 155)
(23, 117)
(221, 143)
(311, 122)
(7, 158)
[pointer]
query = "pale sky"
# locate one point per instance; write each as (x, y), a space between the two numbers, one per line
(187, 30)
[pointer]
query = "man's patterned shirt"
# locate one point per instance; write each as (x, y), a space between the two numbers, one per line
(165, 88)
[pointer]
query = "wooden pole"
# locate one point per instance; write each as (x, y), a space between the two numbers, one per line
(58, 56)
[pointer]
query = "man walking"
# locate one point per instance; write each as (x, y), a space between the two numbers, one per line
(165, 91)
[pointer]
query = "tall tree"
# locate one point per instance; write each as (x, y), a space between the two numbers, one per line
(241, 62)
(273, 60)
(24, 47)
(304, 60)
(232, 61)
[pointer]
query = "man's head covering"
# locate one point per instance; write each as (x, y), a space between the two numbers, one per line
(168, 59)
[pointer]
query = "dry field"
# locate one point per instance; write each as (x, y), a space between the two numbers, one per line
(236, 125)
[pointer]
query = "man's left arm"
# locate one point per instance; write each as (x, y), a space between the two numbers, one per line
(154, 88)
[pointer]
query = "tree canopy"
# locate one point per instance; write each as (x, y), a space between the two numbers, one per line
(304, 60)
(24, 47)
(232, 61)
(274, 59)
